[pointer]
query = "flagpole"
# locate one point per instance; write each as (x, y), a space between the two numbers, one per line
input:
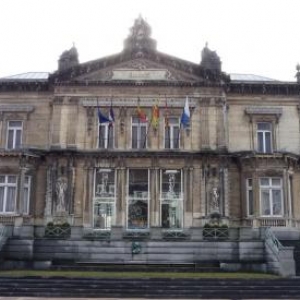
(99, 128)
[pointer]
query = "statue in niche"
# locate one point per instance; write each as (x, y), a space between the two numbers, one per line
(61, 188)
(214, 203)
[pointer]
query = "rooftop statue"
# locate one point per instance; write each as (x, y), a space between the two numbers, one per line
(68, 59)
(139, 39)
(210, 59)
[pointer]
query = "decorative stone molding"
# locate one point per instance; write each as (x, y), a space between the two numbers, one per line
(263, 110)
(16, 108)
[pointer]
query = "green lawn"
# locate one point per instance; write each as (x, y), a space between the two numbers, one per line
(85, 274)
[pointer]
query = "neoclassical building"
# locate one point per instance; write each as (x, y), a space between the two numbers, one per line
(142, 139)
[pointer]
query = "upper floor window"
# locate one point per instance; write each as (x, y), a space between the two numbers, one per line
(8, 193)
(14, 134)
(172, 133)
(264, 137)
(271, 196)
(106, 136)
(139, 133)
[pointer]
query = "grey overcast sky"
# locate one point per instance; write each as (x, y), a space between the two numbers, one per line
(251, 36)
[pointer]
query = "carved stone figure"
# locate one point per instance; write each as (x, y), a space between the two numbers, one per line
(215, 205)
(61, 188)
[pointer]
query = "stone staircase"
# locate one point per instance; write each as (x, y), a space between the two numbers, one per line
(151, 288)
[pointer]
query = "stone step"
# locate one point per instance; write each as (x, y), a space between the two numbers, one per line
(151, 287)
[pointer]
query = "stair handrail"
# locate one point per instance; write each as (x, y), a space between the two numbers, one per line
(272, 241)
(3, 236)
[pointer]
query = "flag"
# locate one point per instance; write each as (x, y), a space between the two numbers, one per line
(141, 114)
(185, 116)
(102, 119)
(155, 116)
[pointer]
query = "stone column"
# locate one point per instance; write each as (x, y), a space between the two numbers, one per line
(203, 207)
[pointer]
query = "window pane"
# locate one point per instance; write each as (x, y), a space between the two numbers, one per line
(276, 181)
(18, 140)
(266, 126)
(277, 207)
(143, 143)
(171, 215)
(110, 137)
(16, 124)
(265, 181)
(10, 201)
(167, 137)
(260, 141)
(2, 179)
(1, 199)
(134, 137)
(268, 147)
(265, 202)
(176, 137)
(12, 179)
(103, 213)
(138, 214)
(101, 136)
(250, 203)
(10, 139)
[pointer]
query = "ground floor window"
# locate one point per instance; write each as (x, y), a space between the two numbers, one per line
(271, 196)
(104, 198)
(171, 199)
(138, 199)
(8, 193)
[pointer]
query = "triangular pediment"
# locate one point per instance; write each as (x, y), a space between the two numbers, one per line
(139, 69)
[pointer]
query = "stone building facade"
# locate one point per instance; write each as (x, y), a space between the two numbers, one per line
(103, 144)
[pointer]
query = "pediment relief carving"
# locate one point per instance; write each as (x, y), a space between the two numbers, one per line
(139, 70)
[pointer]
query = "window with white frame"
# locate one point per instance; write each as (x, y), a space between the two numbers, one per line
(138, 199)
(139, 133)
(172, 132)
(264, 137)
(8, 193)
(271, 200)
(171, 199)
(26, 194)
(105, 136)
(14, 134)
(104, 198)
(250, 202)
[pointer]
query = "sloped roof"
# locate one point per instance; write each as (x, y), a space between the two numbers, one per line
(28, 76)
(250, 78)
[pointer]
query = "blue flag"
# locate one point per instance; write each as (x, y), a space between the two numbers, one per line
(186, 116)
(102, 119)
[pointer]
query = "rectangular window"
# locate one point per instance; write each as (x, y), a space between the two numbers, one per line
(171, 199)
(172, 134)
(271, 196)
(26, 194)
(106, 136)
(139, 133)
(104, 198)
(14, 134)
(250, 203)
(138, 199)
(8, 193)
(264, 137)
